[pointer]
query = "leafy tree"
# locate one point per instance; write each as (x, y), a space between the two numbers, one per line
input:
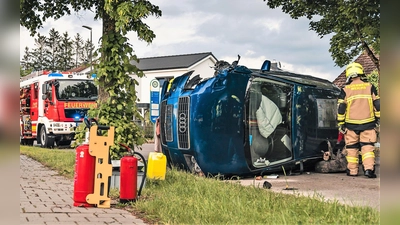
(85, 52)
(373, 78)
(39, 53)
(23, 71)
(77, 45)
(52, 48)
(26, 63)
(117, 97)
(26, 59)
(55, 52)
(355, 25)
(64, 54)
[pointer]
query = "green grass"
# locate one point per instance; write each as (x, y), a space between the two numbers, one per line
(183, 198)
(186, 199)
(62, 161)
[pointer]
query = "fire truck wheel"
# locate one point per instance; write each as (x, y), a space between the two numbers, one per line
(46, 142)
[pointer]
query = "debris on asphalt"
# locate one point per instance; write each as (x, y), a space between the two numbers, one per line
(272, 176)
(267, 185)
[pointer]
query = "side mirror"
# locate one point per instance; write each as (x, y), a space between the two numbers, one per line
(44, 88)
(44, 97)
(266, 66)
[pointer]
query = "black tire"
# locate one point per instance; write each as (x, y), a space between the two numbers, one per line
(45, 141)
(29, 142)
(63, 143)
(57, 141)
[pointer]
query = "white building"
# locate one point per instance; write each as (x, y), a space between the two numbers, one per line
(165, 68)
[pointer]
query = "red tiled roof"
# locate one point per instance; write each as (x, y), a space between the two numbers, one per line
(365, 61)
(77, 69)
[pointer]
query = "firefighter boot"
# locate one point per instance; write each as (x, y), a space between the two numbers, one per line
(368, 138)
(370, 173)
(351, 175)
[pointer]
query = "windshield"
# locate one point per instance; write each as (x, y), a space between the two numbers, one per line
(75, 90)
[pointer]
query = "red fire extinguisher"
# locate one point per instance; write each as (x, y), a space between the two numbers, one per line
(84, 173)
(128, 176)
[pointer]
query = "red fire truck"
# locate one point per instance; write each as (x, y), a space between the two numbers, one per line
(52, 104)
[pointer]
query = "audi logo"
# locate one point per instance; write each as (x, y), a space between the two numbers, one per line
(182, 124)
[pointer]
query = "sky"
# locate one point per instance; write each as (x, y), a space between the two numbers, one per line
(226, 28)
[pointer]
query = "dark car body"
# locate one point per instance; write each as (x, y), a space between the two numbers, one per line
(246, 122)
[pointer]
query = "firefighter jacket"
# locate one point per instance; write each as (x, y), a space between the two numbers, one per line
(358, 105)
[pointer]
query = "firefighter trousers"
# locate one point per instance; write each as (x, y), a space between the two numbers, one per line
(354, 141)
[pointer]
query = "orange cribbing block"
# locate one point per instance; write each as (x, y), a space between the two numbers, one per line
(99, 146)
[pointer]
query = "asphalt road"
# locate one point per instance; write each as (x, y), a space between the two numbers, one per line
(354, 191)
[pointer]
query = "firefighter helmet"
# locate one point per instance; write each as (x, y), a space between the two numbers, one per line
(354, 69)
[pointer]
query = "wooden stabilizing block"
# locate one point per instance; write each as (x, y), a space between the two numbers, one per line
(99, 146)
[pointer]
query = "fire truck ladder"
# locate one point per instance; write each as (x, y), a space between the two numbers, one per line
(34, 74)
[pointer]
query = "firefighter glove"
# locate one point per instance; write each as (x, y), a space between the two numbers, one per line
(378, 122)
(342, 128)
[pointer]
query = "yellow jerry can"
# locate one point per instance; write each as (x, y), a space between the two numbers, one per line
(156, 166)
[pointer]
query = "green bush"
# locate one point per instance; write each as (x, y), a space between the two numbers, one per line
(373, 78)
(148, 131)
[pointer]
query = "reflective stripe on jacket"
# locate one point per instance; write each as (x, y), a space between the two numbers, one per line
(359, 103)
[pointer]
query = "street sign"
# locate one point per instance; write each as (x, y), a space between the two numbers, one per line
(154, 100)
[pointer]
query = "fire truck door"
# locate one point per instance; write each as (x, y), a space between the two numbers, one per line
(34, 101)
(41, 97)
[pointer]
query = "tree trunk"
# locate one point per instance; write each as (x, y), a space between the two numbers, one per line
(108, 27)
(370, 53)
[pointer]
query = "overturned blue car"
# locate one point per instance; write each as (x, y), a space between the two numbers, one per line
(244, 122)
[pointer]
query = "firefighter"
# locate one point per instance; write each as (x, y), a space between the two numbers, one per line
(358, 116)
